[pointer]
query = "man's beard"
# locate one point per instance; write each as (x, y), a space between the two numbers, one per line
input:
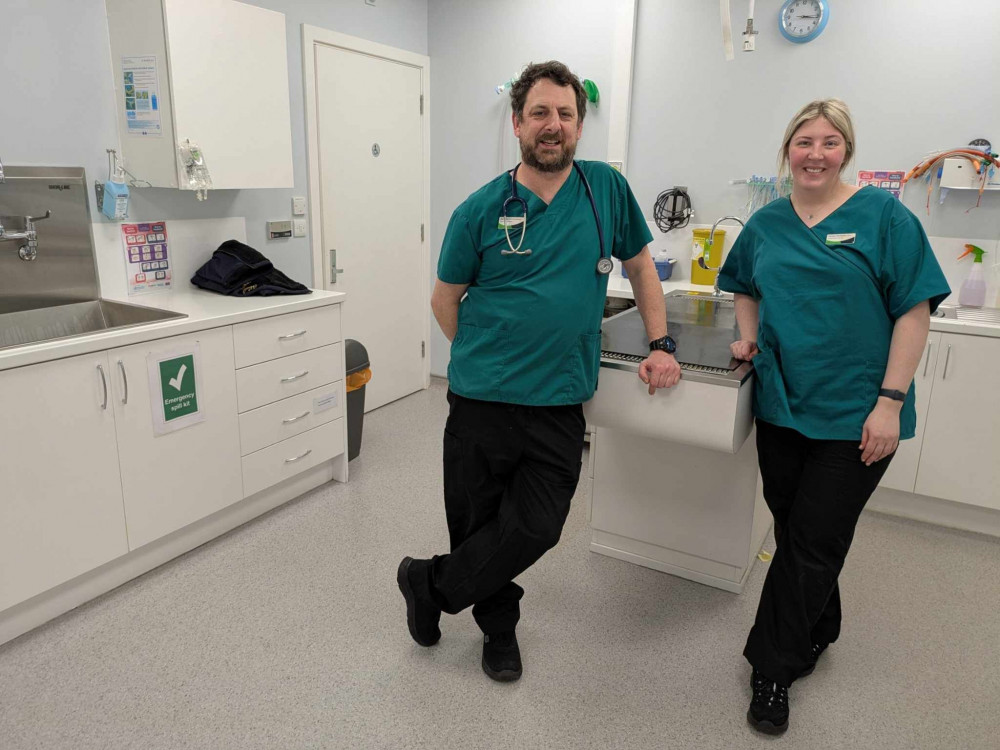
(553, 163)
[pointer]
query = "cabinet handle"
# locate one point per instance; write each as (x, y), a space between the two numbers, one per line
(947, 356)
(124, 382)
(292, 335)
(298, 458)
(104, 384)
(927, 359)
(290, 378)
(295, 419)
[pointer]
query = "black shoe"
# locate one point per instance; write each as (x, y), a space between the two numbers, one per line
(502, 657)
(769, 707)
(422, 614)
(817, 649)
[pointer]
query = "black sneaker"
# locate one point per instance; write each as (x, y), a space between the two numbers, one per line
(769, 707)
(817, 649)
(422, 614)
(502, 657)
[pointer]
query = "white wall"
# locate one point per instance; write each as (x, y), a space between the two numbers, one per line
(917, 76)
(58, 107)
(475, 45)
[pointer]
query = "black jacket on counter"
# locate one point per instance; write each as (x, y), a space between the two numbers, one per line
(240, 271)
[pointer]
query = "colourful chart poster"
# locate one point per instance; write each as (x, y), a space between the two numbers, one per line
(141, 91)
(147, 260)
(888, 180)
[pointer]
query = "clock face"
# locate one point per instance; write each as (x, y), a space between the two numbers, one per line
(803, 20)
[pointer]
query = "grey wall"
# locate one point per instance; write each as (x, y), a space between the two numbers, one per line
(916, 74)
(475, 45)
(55, 63)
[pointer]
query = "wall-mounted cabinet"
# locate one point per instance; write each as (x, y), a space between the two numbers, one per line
(214, 72)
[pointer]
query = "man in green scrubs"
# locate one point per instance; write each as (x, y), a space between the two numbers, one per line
(520, 296)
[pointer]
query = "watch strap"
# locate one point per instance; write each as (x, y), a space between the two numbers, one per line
(891, 393)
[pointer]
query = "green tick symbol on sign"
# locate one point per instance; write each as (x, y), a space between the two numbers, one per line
(176, 382)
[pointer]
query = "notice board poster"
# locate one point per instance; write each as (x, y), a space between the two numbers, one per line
(140, 88)
(174, 388)
(147, 259)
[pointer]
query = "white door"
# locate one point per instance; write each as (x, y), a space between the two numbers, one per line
(61, 508)
(960, 459)
(371, 163)
(902, 471)
(175, 479)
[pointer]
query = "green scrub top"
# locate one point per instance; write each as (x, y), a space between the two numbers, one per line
(829, 297)
(529, 329)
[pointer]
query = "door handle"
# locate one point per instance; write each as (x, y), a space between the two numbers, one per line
(104, 384)
(121, 367)
(334, 271)
(927, 360)
(947, 356)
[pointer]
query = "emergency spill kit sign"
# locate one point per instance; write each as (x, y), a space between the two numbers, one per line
(174, 380)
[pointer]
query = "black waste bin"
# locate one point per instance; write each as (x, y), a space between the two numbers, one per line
(358, 374)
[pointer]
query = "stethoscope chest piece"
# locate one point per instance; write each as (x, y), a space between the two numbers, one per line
(604, 266)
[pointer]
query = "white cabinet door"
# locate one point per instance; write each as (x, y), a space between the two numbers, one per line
(229, 80)
(902, 471)
(958, 460)
(60, 493)
(174, 479)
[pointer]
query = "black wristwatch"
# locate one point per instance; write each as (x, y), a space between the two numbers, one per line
(664, 344)
(893, 394)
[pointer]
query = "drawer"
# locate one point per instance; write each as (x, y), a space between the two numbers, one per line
(283, 460)
(289, 376)
(283, 419)
(281, 335)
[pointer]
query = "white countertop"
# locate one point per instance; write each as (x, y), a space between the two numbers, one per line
(204, 310)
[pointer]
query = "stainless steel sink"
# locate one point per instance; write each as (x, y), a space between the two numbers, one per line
(989, 315)
(64, 321)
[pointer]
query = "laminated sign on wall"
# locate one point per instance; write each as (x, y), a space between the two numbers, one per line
(174, 384)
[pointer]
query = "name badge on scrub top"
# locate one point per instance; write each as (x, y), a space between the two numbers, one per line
(841, 239)
(509, 221)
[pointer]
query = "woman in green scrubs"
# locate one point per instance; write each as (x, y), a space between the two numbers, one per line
(834, 288)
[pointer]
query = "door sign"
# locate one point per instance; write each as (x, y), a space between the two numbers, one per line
(174, 384)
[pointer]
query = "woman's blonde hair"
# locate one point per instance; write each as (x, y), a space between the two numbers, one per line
(835, 112)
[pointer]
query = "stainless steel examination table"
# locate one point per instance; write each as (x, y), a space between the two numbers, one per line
(675, 482)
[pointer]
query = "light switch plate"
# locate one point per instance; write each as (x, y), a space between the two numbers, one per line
(300, 227)
(298, 206)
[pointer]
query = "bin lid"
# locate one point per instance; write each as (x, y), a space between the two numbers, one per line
(355, 356)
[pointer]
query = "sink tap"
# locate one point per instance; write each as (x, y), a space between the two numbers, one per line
(29, 250)
(711, 238)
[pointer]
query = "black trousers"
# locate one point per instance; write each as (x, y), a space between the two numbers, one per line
(816, 490)
(509, 475)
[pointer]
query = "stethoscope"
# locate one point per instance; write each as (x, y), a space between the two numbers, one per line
(604, 265)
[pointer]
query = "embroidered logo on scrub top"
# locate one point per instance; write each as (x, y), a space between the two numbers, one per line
(841, 239)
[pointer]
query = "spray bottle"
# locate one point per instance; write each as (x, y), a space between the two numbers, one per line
(973, 291)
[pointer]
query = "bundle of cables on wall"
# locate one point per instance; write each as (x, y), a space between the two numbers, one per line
(979, 158)
(673, 209)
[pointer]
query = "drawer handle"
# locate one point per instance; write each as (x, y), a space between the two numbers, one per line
(104, 382)
(292, 335)
(298, 458)
(295, 419)
(290, 378)
(124, 382)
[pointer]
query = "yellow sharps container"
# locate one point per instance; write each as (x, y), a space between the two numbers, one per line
(712, 254)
